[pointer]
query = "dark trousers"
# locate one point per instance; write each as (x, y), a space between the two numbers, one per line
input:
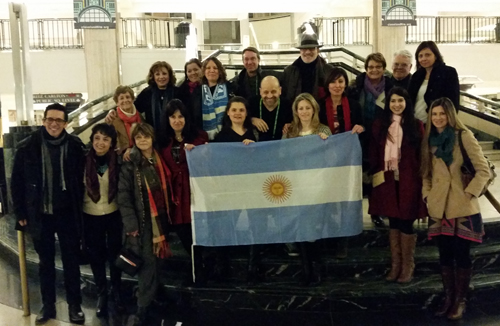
(453, 249)
(63, 223)
(405, 226)
(103, 235)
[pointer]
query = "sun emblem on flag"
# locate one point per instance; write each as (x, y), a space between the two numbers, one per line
(277, 189)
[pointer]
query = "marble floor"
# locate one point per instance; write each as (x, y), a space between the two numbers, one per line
(175, 314)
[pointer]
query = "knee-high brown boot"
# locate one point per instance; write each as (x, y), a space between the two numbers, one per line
(395, 244)
(462, 280)
(408, 242)
(448, 278)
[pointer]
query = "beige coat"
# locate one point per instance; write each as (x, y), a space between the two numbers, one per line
(444, 191)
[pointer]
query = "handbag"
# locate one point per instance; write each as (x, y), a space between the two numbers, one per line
(468, 171)
(128, 261)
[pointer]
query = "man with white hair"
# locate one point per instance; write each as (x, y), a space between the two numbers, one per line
(401, 66)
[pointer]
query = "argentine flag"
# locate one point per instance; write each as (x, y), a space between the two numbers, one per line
(291, 190)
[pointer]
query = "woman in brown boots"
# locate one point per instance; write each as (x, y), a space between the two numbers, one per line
(394, 163)
(454, 214)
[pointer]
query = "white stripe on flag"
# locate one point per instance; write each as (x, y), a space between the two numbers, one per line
(276, 189)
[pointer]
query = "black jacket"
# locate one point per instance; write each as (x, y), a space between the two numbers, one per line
(26, 183)
(405, 82)
(292, 83)
(143, 102)
(240, 82)
(356, 93)
(354, 108)
(443, 82)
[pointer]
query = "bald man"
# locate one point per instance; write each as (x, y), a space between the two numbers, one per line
(270, 111)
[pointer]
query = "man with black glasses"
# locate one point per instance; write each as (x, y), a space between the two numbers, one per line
(47, 193)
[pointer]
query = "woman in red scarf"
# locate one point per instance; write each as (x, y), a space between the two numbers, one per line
(337, 111)
(397, 185)
(144, 198)
(340, 114)
(128, 117)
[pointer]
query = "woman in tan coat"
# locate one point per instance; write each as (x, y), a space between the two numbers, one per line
(455, 219)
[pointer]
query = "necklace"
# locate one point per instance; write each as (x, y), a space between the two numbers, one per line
(275, 118)
(179, 138)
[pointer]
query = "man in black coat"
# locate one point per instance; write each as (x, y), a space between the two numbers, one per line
(246, 84)
(401, 67)
(47, 193)
(307, 74)
(270, 111)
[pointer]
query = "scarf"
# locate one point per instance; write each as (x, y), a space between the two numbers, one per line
(213, 107)
(444, 143)
(332, 117)
(92, 181)
(192, 86)
(157, 203)
(374, 90)
(157, 104)
(392, 153)
(129, 120)
(47, 176)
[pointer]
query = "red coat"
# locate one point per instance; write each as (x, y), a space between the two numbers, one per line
(384, 199)
(180, 212)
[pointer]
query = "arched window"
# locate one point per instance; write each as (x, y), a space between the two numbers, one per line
(93, 15)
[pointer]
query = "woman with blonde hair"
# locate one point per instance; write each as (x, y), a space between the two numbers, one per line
(306, 118)
(455, 218)
(305, 123)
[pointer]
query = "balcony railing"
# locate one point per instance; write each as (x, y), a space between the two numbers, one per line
(454, 30)
(342, 31)
(337, 31)
(149, 32)
(46, 33)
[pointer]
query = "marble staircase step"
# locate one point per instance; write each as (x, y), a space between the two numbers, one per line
(373, 262)
(335, 295)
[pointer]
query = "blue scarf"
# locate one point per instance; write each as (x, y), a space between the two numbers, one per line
(444, 143)
(213, 107)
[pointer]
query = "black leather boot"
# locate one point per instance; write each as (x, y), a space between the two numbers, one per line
(46, 313)
(76, 314)
(140, 316)
(102, 305)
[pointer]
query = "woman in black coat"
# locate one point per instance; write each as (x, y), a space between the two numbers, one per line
(432, 80)
(154, 98)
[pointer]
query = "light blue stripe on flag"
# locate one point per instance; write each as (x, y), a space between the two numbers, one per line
(300, 189)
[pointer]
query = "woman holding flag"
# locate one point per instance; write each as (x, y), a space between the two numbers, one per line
(394, 162)
(305, 123)
(143, 198)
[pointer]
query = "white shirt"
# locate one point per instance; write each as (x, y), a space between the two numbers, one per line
(420, 105)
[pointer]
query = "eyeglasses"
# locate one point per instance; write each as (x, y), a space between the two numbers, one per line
(52, 120)
(374, 67)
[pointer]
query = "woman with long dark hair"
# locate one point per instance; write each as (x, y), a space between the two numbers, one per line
(102, 219)
(455, 219)
(394, 162)
(432, 80)
(181, 135)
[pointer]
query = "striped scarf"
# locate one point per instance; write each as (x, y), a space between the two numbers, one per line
(213, 107)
